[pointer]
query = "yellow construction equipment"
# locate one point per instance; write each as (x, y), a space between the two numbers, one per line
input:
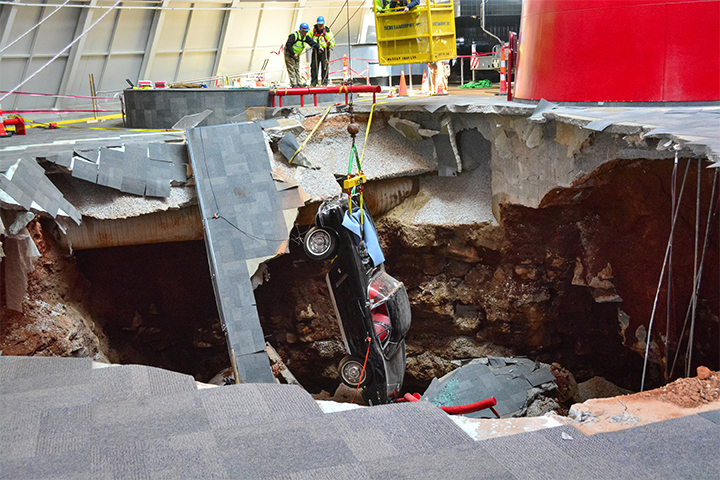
(424, 34)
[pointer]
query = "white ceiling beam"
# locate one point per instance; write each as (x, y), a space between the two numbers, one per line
(151, 47)
(227, 26)
(184, 44)
(7, 18)
(73, 61)
(255, 41)
(109, 52)
(31, 52)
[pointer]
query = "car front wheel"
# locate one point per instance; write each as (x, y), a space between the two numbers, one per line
(351, 372)
(320, 244)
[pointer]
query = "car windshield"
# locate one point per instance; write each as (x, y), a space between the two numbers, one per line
(382, 287)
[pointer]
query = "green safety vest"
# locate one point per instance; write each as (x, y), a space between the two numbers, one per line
(325, 39)
(299, 43)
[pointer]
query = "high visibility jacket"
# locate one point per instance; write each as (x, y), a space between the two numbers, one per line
(404, 3)
(297, 42)
(323, 36)
(379, 6)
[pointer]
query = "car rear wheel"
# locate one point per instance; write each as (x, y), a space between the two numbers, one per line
(320, 244)
(351, 372)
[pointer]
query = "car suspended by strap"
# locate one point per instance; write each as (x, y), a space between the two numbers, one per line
(372, 308)
(424, 34)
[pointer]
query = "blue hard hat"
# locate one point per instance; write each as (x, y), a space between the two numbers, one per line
(321, 21)
(304, 26)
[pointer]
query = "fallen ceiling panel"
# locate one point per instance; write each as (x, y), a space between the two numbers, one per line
(26, 185)
(141, 169)
(246, 220)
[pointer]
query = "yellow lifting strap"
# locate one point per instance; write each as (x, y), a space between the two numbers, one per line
(355, 181)
(311, 133)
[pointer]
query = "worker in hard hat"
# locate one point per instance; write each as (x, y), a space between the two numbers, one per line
(295, 45)
(321, 56)
(404, 4)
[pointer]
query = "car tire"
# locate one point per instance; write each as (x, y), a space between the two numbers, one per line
(320, 243)
(350, 369)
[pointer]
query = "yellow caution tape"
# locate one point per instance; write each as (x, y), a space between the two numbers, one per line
(68, 124)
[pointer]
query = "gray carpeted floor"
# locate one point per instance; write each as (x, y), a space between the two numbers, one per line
(62, 419)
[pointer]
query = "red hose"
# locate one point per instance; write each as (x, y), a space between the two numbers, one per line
(471, 407)
(459, 409)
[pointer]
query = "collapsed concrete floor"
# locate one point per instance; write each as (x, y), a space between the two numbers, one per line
(495, 262)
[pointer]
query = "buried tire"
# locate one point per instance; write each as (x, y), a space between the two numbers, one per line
(351, 372)
(320, 243)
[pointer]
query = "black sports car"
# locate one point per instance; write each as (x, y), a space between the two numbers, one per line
(372, 308)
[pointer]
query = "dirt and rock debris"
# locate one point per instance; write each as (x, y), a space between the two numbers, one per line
(55, 320)
(569, 283)
(689, 392)
(475, 290)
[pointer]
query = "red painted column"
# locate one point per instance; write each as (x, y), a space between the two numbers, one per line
(619, 51)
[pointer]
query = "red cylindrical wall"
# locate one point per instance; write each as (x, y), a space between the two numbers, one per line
(619, 51)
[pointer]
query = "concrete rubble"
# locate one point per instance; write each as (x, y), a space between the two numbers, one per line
(515, 383)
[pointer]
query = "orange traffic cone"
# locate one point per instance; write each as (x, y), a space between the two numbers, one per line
(402, 89)
(425, 88)
(2, 124)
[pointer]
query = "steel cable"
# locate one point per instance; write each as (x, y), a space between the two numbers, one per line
(662, 275)
(688, 356)
(673, 199)
(702, 262)
(34, 27)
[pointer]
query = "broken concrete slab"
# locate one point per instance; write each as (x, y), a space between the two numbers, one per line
(26, 185)
(289, 147)
(514, 382)
(447, 167)
(407, 128)
(102, 203)
(140, 169)
(16, 221)
(246, 220)
(20, 256)
(447, 126)
(85, 170)
(191, 121)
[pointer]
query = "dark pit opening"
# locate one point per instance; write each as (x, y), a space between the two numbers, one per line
(157, 306)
